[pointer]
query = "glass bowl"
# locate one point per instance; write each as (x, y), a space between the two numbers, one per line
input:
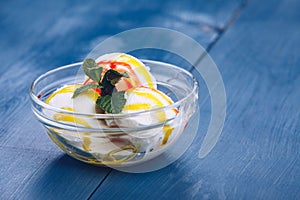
(116, 145)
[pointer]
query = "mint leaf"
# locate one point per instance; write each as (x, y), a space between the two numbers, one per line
(114, 76)
(84, 88)
(110, 79)
(105, 103)
(108, 101)
(112, 104)
(118, 101)
(92, 70)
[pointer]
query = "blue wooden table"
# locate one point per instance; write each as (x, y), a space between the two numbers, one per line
(256, 46)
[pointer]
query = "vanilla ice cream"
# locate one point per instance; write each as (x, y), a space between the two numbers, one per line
(141, 94)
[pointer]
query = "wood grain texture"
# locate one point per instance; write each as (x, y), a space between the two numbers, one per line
(257, 156)
(41, 36)
(31, 174)
(34, 44)
(38, 36)
(16, 169)
(50, 34)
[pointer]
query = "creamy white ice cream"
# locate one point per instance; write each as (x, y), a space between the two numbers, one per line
(141, 94)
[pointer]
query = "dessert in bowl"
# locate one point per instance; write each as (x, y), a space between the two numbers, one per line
(122, 112)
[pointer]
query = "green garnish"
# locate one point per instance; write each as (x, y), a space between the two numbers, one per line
(118, 101)
(78, 91)
(92, 70)
(113, 103)
(111, 77)
(105, 102)
(108, 100)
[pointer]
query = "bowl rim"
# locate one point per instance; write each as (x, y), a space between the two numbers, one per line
(41, 103)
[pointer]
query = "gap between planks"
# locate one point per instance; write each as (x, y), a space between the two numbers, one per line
(222, 30)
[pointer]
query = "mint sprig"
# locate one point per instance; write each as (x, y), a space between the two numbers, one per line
(105, 103)
(78, 91)
(112, 104)
(110, 79)
(108, 100)
(118, 101)
(92, 70)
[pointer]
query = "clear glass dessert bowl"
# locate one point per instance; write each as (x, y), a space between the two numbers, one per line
(116, 145)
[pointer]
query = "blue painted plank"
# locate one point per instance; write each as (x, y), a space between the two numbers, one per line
(34, 46)
(15, 171)
(257, 156)
(30, 174)
(37, 36)
(45, 34)
(19, 128)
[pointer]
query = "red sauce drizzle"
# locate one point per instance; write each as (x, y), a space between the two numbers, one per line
(113, 64)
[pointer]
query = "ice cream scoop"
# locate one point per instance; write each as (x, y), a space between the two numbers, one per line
(139, 74)
(141, 99)
(84, 103)
(138, 92)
